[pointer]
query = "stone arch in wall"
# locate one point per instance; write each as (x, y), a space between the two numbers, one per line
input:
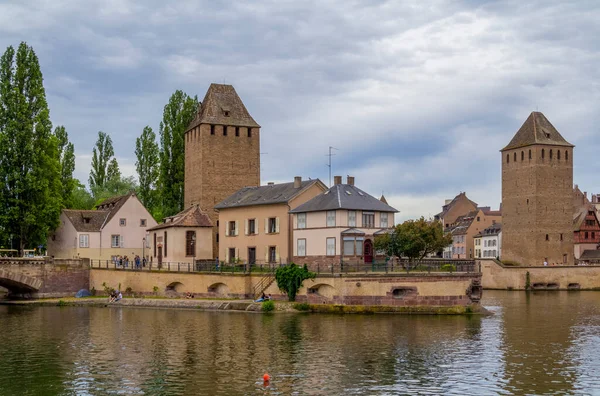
(323, 290)
(219, 289)
(176, 287)
(19, 283)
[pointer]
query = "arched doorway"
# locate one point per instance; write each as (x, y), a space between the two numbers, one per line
(368, 251)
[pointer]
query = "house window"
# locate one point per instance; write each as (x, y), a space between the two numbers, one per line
(301, 220)
(231, 255)
(543, 153)
(353, 246)
(348, 246)
(212, 129)
(564, 259)
(515, 157)
(217, 237)
(272, 254)
(190, 242)
(122, 222)
(116, 241)
(249, 132)
(593, 235)
(522, 155)
(383, 220)
(272, 225)
(237, 131)
(232, 230)
(331, 218)
(142, 222)
(550, 153)
(558, 155)
(478, 219)
(84, 241)
(368, 220)
(301, 248)
(529, 154)
(252, 227)
(586, 235)
(224, 130)
(331, 246)
(561, 237)
(547, 237)
(351, 218)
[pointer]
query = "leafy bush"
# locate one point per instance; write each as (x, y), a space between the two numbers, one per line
(129, 291)
(289, 279)
(107, 289)
(302, 307)
(448, 268)
(155, 289)
(268, 306)
(61, 303)
(93, 291)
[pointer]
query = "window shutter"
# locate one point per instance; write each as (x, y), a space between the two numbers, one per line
(277, 224)
(276, 253)
(226, 255)
(227, 228)
(121, 241)
(267, 226)
(237, 228)
(266, 254)
(246, 228)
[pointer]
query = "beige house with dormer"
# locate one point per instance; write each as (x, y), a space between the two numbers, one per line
(339, 225)
(255, 224)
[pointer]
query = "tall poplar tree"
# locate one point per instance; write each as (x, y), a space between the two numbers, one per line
(30, 172)
(66, 154)
(147, 153)
(101, 156)
(177, 116)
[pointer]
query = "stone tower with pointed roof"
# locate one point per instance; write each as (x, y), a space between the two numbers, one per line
(537, 195)
(222, 152)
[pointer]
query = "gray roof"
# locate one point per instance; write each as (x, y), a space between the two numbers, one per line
(492, 230)
(590, 255)
(537, 130)
(265, 195)
(344, 196)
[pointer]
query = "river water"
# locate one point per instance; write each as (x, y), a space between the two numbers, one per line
(535, 343)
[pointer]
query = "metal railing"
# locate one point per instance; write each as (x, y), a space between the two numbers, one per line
(335, 267)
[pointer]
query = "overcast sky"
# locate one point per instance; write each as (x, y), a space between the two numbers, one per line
(418, 96)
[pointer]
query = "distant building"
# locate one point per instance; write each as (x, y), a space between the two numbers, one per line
(255, 225)
(117, 227)
(222, 152)
(339, 224)
(454, 208)
(586, 226)
(465, 228)
(182, 238)
(488, 243)
(537, 194)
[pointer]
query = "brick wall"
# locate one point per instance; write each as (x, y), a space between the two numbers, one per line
(537, 200)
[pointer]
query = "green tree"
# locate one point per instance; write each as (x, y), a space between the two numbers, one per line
(414, 239)
(81, 198)
(177, 116)
(290, 278)
(147, 154)
(113, 173)
(30, 169)
(66, 153)
(101, 156)
(114, 187)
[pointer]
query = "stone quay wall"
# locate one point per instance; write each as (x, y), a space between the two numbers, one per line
(415, 289)
(44, 277)
(496, 276)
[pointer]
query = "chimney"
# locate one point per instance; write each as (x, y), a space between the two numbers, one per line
(585, 194)
(297, 181)
(350, 180)
(337, 180)
(270, 184)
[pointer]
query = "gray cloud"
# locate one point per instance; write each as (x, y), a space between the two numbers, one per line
(418, 96)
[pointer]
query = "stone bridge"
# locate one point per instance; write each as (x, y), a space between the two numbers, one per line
(43, 277)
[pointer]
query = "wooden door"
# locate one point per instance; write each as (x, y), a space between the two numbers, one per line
(368, 251)
(159, 257)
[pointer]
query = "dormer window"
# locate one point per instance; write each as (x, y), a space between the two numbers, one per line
(86, 220)
(547, 135)
(226, 112)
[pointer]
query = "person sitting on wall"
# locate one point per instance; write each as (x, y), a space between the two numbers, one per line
(189, 295)
(119, 296)
(262, 298)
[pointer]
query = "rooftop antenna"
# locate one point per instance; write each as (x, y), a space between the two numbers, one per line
(329, 165)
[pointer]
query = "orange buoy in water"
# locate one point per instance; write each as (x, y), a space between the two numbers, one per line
(266, 377)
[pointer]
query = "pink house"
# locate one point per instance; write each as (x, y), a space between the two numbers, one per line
(117, 227)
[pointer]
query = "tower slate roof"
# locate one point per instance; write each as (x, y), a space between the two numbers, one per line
(537, 130)
(222, 106)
